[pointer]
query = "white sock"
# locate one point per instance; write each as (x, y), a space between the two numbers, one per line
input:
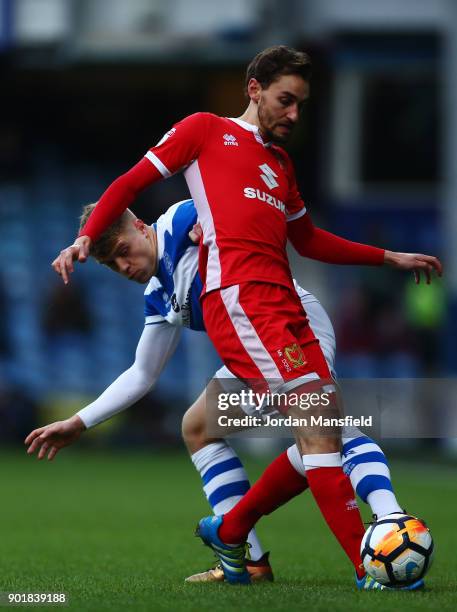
(366, 465)
(295, 459)
(383, 502)
(311, 462)
(224, 482)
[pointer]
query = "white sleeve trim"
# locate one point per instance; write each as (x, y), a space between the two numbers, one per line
(157, 344)
(155, 161)
(154, 319)
(296, 215)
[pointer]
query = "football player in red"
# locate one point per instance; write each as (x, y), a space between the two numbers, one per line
(243, 186)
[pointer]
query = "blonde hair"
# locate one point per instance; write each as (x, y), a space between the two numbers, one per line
(103, 247)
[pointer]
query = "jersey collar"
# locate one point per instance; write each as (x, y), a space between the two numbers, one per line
(250, 128)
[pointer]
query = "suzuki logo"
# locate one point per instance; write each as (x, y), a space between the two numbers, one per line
(268, 176)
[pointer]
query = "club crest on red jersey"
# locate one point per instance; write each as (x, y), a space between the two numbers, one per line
(295, 355)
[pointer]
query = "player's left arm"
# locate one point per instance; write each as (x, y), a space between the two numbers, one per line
(316, 243)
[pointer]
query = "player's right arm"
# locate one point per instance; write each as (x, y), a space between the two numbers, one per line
(156, 346)
(176, 150)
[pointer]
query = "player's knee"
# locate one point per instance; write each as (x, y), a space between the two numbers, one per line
(193, 431)
(314, 445)
(318, 437)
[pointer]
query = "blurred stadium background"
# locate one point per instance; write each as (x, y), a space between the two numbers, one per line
(87, 87)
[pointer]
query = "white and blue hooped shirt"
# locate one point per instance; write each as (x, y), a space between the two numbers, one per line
(173, 294)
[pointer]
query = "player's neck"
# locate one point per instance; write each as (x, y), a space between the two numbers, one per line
(153, 237)
(251, 115)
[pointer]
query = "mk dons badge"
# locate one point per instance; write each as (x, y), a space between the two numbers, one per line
(295, 355)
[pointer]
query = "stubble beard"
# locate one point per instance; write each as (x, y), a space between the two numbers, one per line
(267, 133)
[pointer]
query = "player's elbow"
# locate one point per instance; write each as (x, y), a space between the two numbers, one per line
(143, 379)
(300, 247)
(301, 234)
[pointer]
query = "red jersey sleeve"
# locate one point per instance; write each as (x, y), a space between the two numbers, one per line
(180, 145)
(316, 243)
(295, 207)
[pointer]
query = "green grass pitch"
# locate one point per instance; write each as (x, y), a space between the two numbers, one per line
(115, 532)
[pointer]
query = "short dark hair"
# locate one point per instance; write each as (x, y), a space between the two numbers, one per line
(272, 63)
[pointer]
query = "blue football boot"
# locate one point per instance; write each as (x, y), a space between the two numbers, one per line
(232, 557)
(367, 583)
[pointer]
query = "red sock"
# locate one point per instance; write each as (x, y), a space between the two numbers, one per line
(334, 495)
(279, 483)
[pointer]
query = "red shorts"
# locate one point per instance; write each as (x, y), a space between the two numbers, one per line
(262, 334)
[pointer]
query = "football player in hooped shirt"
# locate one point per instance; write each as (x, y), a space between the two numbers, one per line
(248, 204)
(164, 257)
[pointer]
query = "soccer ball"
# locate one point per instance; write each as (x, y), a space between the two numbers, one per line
(397, 550)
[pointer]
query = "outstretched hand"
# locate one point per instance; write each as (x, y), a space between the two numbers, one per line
(416, 262)
(79, 251)
(51, 438)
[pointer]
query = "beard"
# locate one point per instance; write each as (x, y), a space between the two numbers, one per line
(267, 125)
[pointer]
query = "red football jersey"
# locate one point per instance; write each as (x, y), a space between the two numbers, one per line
(244, 191)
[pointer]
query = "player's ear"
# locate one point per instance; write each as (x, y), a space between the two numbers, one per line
(139, 225)
(254, 90)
